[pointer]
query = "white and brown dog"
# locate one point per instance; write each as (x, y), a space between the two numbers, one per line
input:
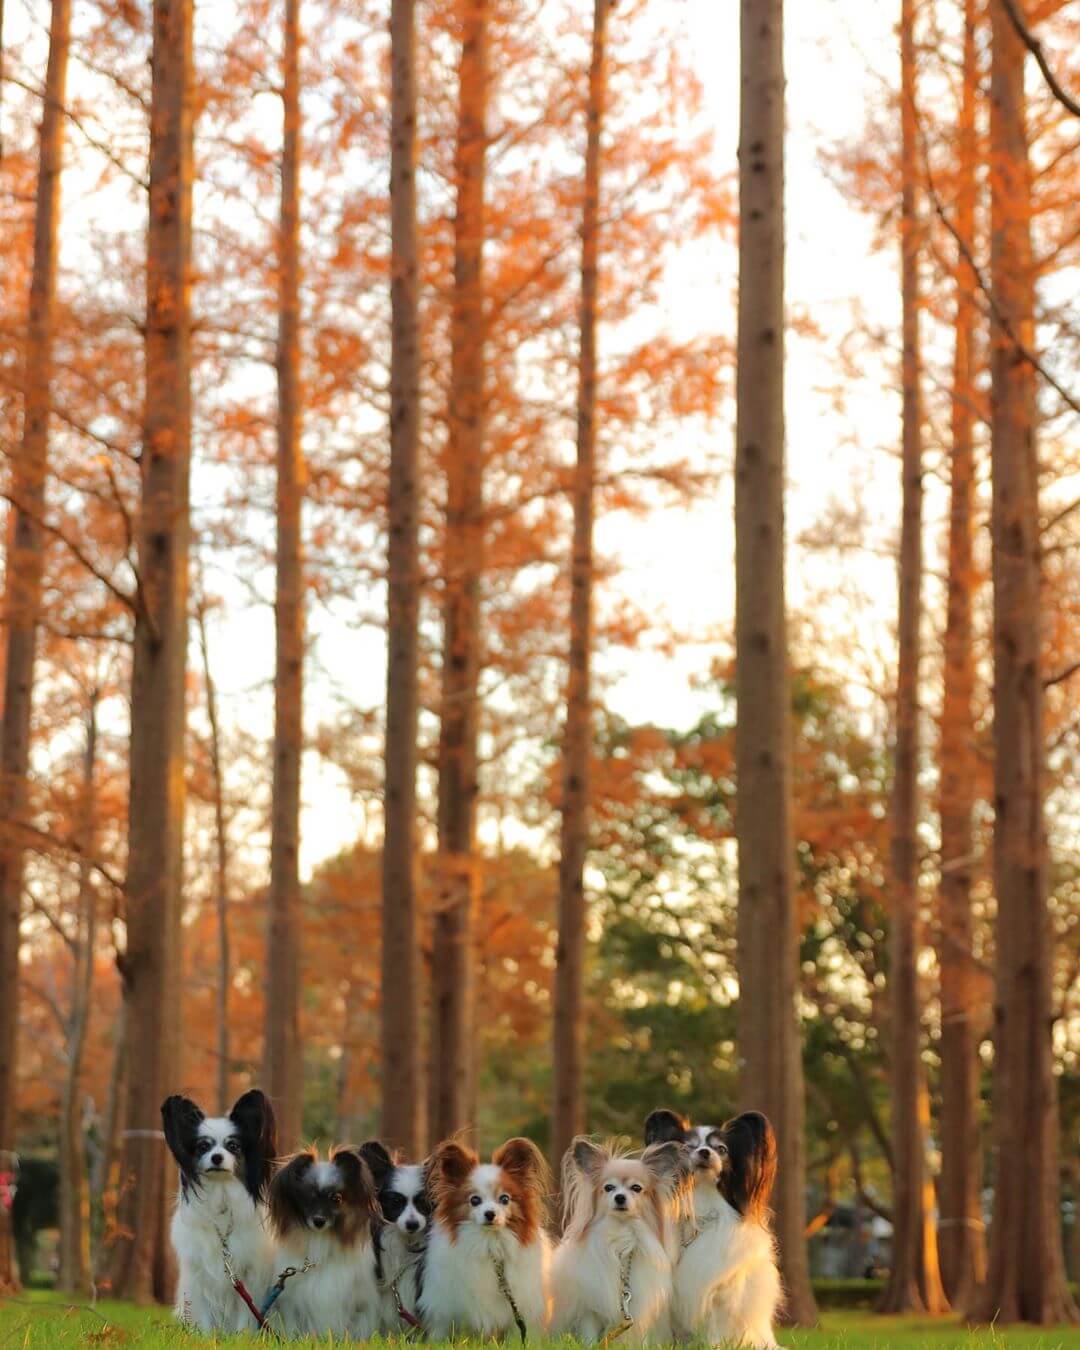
(726, 1287)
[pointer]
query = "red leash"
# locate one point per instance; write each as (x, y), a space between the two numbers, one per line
(240, 1287)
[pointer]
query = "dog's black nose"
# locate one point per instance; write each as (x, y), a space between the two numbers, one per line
(620, 1200)
(412, 1225)
(319, 1221)
(703, 1154)
(217, 1159)
(489, 1215)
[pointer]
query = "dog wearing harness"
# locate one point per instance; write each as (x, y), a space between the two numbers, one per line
(401, 1239)
(324, 1213)
(487, 1262)
(219, 1228)
(612, 1273)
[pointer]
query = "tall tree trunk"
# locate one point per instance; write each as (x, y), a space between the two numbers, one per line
(771, 1077)
(568, 1115)
(1026, 1276)
(402, 1105)
(284, 1058)
(453, 976)
(150, 963)
(74, 1273)
(105, 1176)
(914, 1283)
(25, 565)
(221, 870)
(961, 1237)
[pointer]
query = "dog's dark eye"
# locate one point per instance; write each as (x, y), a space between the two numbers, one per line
(504, 1199)
(233, 1145)
(475, 1200)
(609, 1188)
(722, 1150)
(423, 1205)
(203, 1146)
(636, 1188)
(393, 1204)
(335, 1199)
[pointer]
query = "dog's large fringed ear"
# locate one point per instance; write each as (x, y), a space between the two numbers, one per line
(451, 1163)
(586, 1156)
(747, 1179)
(521, 1158)
(359, 1189)
(669, 1163)
(286, 1200)
(180, 1121)
(253, 1117)
(663, 1126)
(379, 1160)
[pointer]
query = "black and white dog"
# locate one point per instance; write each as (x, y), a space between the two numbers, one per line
(726, 1287)
(406, 1204)
(225, 1164)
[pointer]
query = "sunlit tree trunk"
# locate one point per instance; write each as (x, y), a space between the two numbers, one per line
(74, 1254)
(150, 963)
(221, 869)
(961, 1238)
(770, 1045)
(914, 1279)
(453, 976)
(568, 1116)
(25, 564)
(284, 1060)
(1026, 1278)
(402, 1105)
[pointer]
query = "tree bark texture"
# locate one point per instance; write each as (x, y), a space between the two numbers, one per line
(961, 1239)
(283, 1055)
(914, 1283)
(770, 1050)
(453, 976)
(24, 572)
(402, 1089)
(1026, 1278)
(150, 963)
(568, 1116)
(221, 872)
(74, 1253)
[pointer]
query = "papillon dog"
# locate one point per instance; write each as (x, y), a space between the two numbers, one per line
(220, 1218)
(612, 1270)
(727, 1287)
(323, 1212)
(487, 1262)
(400, 1240)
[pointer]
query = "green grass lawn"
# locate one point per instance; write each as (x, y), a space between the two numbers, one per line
(47, 1320)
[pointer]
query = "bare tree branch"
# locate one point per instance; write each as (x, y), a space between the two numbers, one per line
(1035, 47)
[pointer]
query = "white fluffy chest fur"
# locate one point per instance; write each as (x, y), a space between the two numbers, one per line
(726, 1285)
(337, 1295)
(205, 1297)
(587, 1281)
(461, 1289)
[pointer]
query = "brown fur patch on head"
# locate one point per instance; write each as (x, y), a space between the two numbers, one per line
(527, 1180)
(359, 1196)
(451, 1167)
(286, 1188)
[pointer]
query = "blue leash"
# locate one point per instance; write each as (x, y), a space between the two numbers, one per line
(278, 1287)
